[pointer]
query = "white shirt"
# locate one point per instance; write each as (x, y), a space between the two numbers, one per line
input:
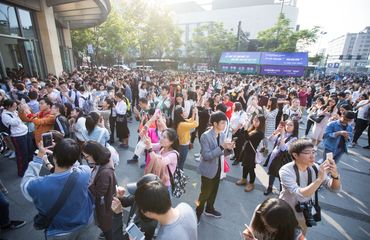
(238, 118)
(362, 111)
(81, 99)
(17, 127)
(188, 104)
(143, 93)
(121, 108)
(79, 128)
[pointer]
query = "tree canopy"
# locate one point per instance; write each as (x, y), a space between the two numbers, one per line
(282, 38)
(135, 29)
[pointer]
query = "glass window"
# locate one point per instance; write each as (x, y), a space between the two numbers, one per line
(26, 22)
(8, 20)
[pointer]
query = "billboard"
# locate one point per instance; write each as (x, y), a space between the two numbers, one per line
(240, 68)
(240, 58)
(282, 71)
(284, 58)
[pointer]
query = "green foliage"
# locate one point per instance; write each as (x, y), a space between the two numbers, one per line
(316, 59)
(137, 29)
(282, 38)
(208, 43)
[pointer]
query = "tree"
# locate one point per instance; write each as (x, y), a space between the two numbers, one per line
(316, 59)
(282, 38)
(209, 41)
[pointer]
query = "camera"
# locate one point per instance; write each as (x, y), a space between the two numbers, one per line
(306, 208)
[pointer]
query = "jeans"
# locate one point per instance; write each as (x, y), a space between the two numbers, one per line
(23, 152)
(336, 157)
(183, 153)
(4, 210)
(86, 232)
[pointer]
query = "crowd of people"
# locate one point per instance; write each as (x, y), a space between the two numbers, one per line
(77, 122)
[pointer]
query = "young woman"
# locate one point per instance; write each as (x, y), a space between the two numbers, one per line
(329, 110)
(313, 111)
(254, 135)
(61, 123)
(121, 122)
(163, 156)
(271, 112)
(95, 130)
(183, 128)
(274, 219)
(77, 124)
(284, 135)
(237, 123)
(102, 184)
(105, 112)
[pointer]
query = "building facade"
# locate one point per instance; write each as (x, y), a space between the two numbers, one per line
(349, 52)
(255, 15)
(35, 34)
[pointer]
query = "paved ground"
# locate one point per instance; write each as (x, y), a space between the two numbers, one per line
(345, 215)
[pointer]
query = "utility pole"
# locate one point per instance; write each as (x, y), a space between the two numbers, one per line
(238, 36)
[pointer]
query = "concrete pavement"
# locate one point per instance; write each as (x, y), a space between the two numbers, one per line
(345, 215)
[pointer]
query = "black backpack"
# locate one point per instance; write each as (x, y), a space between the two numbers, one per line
(3, 128)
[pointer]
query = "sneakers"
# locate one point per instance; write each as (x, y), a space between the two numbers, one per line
(367, 147)
(196, 155)
(133, 160)
(101, 236)
(213, 213)
(197, 159)
(10, 154)
(13, 225)
(268, 191)
(142, 165)
(352, 145)
(241, 182)
(249, 187)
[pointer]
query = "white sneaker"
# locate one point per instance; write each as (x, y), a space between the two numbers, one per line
(352, 145)
(197, 155)
(12, 155)
(197, 159)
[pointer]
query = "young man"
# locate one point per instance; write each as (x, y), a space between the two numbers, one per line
(154, 202)
(75, 218)
(361, 122)
(213, 146)
(299, 179)
(163, 102)
(337, 136)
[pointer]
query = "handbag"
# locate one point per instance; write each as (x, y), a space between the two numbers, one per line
(259, 154)
(43, 221)
(317, 118)
(226, 167)
(120, 118)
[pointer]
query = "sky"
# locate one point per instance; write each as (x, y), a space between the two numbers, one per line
(336, 17)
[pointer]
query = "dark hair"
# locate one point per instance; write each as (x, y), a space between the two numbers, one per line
(98, 152)
(177, 117)
(47, 101)
(153, 197)
(92, 120)
(119, 95)
(172, 136)
(80, 112)
(143, 100)
(68, 109)
(261, 127)
(33, 95)
(166, 88)
(321, 99)
(221, 107)
(274, 103)
(8, 103)
(60, 107)
(66, 152)
(217, 117)
(299, 145)
(57, 136)
(296, 127)
(109, 102)
(238, 106)
(278, 215)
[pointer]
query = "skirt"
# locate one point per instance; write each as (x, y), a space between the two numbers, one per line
(121, 126)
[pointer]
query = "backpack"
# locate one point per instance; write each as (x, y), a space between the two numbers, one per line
(128, 104)
(178, 181)
(63, 125)
(70, 95)
(88, 105)
(3, 128)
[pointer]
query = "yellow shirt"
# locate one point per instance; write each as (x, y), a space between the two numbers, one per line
(183, 131)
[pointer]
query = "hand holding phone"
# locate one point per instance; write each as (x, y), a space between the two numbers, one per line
(47, 139)
(134, 232)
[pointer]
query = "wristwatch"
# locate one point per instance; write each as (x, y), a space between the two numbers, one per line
(336, 178)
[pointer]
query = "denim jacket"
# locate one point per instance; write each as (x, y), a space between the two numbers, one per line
(331, 141)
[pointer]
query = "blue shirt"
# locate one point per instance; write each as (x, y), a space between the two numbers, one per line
(45, 190)
(331, 141)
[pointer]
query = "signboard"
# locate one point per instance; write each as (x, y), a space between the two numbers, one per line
(284, 58)
(90, 49)
(282, 71)
(240, 58)
(239, 68)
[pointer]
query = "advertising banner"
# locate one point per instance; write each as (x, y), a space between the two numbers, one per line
(240, 58)
(284, 58)
(238, 68)
(282, 71)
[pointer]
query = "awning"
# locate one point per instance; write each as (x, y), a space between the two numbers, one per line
(80, 14)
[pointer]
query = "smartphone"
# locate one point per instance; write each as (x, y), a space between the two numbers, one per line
(329, 155)
(47, 139)
(134, 232)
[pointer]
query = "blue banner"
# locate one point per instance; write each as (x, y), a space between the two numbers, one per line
(240, 58)
(238, 68)
(284, 58)
(282, 71)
